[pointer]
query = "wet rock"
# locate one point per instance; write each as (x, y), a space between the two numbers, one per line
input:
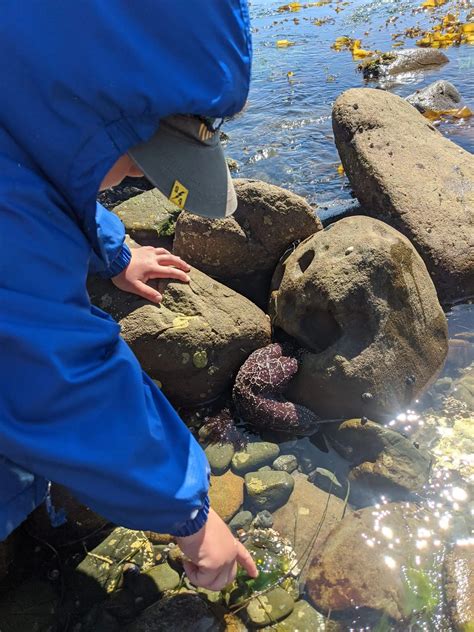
(460, 353)
(254, 456)
(455, 449)
(186, 612)
(219, 457)
(148, 217)
(263, 520)
(195, 340)
(463, 388)
(128, 188)
(304, 618)
(459, 574)
(390, 153)
(101, 571)
(268, 490)
(440, 96)
(356, 568)
(359, 300)
(382, 460)
(75, 521)
(259, 393)
(403, 61)
(152, 584)
(242, 520)
(30, 607)
(242, 251)
(308, 517)
(307, 453)
(226, 494)
(234, 624)
(274, 605)
(286, 463)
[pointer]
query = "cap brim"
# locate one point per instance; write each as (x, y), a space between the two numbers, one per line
(193, 175)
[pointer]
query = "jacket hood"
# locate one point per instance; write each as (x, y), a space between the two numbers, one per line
(85, 81)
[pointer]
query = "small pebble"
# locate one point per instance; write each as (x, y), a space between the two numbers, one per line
(286, 463)
(349, 250)
(263, 520)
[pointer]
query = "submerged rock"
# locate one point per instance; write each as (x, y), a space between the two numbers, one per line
(226, 494)
(358, 298)
(254, 456)
(268, 490)
(185, 612)
(274, 605)
(308, 517)
(403, 61)
(242, 251)
(195, 340)
(459, 575)
(219, 457)
(382, 460)
(357, 567)
(259, 398)
(304, 618)
(286, 463)
(440, 96)
(406, 173)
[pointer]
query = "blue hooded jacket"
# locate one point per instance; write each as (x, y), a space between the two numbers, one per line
(81, 83)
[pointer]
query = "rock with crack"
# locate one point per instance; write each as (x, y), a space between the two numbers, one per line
(409, 60)
(259, 393)
(358, 299)
(404, 172)
(242, 251)
(195, 340)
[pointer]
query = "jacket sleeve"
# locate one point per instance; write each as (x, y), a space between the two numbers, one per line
(114, 254)
(75, 406)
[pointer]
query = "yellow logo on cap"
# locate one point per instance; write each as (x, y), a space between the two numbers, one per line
(179, 194)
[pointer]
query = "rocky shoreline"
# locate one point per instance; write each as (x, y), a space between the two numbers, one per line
(287, 354)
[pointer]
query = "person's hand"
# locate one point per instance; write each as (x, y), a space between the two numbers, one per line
(213, 554)
(150, 263)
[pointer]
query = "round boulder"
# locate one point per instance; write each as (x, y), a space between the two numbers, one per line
(403, 61)
(242, 251)
(358, 299)
(440, 96)
(194, 342)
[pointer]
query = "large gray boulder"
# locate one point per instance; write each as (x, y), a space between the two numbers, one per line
(359, 301)
(242, 251)
(406, 173)
(194, 342)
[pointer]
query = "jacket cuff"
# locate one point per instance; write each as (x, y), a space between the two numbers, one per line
(120, 262)
(195, 524)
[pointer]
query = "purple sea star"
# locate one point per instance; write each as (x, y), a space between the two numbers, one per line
(258, 393)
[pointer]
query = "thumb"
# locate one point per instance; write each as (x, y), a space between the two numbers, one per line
(192, 570)
(146, 291)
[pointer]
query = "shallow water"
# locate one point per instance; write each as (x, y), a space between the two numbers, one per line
(285, 137)
(285, 134)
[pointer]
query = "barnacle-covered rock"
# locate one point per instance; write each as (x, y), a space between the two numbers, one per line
(258, 393)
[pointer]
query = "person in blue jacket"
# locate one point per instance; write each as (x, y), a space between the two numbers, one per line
(83, 84)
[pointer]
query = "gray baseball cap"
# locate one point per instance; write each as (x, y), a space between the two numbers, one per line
(185, 160)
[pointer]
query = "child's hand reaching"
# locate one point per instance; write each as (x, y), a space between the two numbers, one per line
(150, 263)
(214, 554)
